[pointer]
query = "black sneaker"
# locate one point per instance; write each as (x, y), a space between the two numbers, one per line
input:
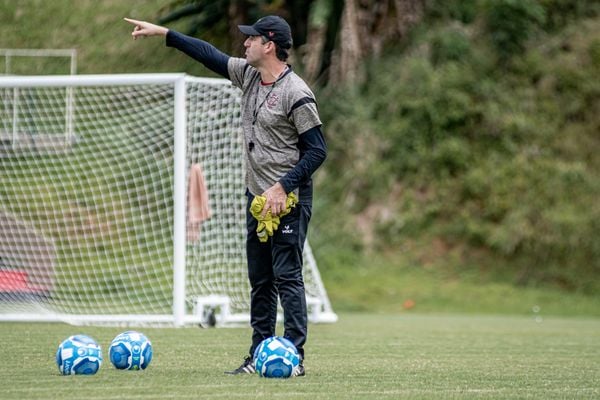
(247, 367)
(299, 370)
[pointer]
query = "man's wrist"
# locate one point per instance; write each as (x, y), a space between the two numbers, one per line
(283, 185)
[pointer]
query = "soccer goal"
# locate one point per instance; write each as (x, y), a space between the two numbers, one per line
(137, 218)
(21, 61)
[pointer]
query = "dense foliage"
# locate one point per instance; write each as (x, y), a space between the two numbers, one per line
(479, 136)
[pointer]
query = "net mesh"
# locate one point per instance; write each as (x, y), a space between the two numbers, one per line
(86, 199)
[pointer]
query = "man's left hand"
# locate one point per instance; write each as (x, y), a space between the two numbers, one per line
(275, 200)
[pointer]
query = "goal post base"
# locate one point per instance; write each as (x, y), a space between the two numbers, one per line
(214, 310)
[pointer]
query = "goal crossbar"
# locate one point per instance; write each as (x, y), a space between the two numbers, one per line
(9, 54)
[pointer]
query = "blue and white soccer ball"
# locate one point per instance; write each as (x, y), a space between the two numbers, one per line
(276, 357)
(130, 350)
(79, 355)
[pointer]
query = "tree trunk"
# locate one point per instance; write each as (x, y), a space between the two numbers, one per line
(365, 27)
(238, 15)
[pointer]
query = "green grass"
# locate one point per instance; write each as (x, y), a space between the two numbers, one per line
(384, 283)
(387, 356)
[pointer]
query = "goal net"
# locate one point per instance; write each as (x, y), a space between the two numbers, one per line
(122, 201)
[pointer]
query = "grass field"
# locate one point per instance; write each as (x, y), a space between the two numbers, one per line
(362, 356)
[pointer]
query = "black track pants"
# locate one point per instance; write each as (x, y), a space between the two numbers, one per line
(275, 268)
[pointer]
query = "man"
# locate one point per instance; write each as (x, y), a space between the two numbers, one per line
(284, 146)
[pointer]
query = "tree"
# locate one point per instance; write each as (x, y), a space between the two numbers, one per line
(346, 32)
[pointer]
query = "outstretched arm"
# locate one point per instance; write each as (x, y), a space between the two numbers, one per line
(143, 29)
(199, 50)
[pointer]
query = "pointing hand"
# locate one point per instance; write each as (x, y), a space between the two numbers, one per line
(143, 29)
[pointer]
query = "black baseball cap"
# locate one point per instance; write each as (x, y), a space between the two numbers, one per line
(273, 28)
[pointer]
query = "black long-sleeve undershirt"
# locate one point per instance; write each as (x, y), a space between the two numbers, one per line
(313, 152)
(201, 51)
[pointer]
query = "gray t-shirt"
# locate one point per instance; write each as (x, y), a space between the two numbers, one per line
(273, 118)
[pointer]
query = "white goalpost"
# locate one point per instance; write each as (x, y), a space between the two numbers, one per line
(122, 202)
(10, 55)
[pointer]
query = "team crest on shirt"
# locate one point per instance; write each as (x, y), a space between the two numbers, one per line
(272, 100)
